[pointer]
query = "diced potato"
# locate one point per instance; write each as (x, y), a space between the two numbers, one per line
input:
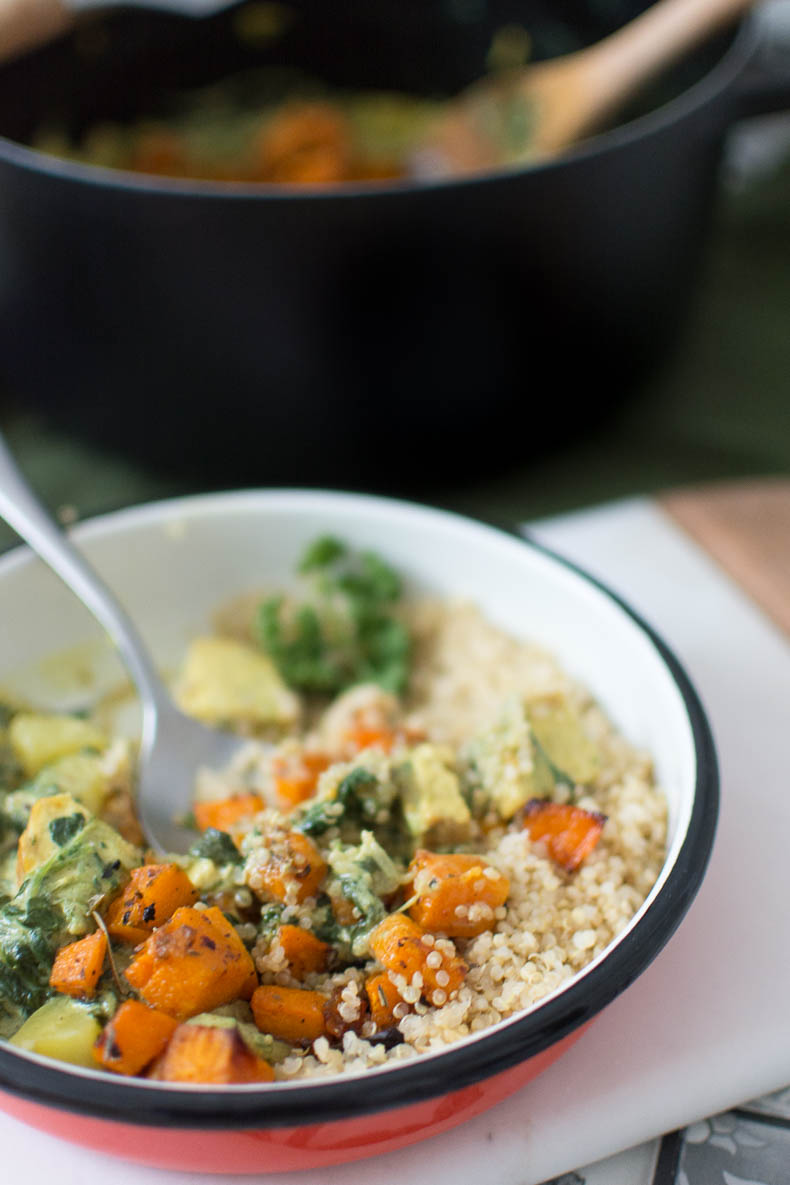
(431, 792)
(82, 775)
(39, 739)
(62, 1028)
(37, 842)
(559, 730)
(223, 681)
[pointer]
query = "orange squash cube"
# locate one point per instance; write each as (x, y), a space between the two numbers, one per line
(304, 952)
(293, 871)
(133, 1038)
(153, 894)
(227, 812)
(292, 1014)
(457, 893)
(77, 968)
(193, 963)
(383, 997)
(400, 946)
(208, 1054)
(296, 777)
(569, 832)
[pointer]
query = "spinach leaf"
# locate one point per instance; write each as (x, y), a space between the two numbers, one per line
(53, 907)
(217, 846)
(357, 797)
(65, 828)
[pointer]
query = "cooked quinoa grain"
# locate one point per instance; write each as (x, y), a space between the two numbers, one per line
(553, 923)
(430, 829)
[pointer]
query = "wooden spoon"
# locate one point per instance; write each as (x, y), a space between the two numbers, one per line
(559, 101)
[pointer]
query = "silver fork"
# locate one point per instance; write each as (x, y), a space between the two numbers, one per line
(173, 746)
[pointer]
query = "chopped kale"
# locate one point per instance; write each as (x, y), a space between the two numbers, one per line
(357, 796)
(51, 908)
(65, 828)
(269, 920)
(326, 926)
(217, 846)
(343, 632)
(364, 874)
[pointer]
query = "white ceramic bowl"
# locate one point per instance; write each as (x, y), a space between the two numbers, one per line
(172, 564)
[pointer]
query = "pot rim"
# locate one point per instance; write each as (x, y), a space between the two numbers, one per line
(703, 91)
(491, 1051)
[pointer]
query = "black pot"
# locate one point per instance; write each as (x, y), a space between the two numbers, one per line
(362, 334)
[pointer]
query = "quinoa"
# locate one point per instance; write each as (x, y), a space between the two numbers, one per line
(553, 923)
(430, 828)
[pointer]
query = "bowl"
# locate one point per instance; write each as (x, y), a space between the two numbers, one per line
(172, 563)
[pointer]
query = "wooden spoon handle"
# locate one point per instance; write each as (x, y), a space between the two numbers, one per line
(27, 23)
(655, 39)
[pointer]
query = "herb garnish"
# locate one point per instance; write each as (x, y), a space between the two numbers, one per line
(217, 846)
(65, 828)
(343, 632)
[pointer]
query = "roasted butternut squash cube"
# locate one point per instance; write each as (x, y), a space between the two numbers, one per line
(405, 951)
(208, 1054)
(457, 894)
(153, 894)
(305, 953)
(295, 1015)
(77, 968)
(292, 871)
(226, 813)
(133, 1038)
(569, 832)
(383, 998)
(193, 963)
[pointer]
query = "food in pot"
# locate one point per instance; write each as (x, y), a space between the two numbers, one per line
(431, 829)
(259, 130)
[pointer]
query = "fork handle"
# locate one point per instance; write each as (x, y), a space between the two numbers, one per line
(22, 510)
(28, 23)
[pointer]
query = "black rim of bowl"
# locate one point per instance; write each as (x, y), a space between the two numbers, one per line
(304, 1103)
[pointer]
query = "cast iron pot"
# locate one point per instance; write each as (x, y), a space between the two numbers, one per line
(364, 334)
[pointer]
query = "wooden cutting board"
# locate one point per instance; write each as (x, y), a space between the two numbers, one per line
(745, 527)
